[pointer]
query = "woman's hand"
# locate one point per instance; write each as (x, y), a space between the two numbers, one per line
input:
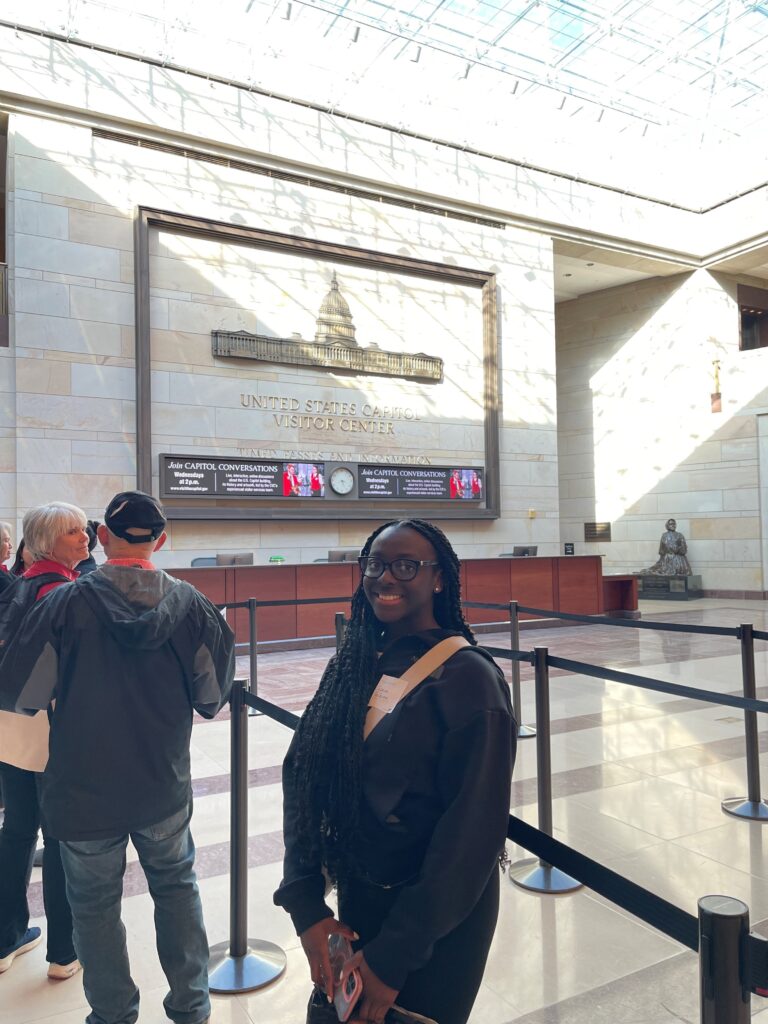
(377, 997)
(315, 943)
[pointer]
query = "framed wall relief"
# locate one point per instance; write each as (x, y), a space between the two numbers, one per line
(279, 377)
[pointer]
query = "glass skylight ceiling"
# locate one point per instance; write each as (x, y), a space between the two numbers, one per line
(560, 84)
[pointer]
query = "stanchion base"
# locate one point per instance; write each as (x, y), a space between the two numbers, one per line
(534, 876)
(753, 810)
(525, 732)
(262, 963)
(254, 713)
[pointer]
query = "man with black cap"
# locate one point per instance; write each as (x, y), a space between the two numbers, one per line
(127, 652)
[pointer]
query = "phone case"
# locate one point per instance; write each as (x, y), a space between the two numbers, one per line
(345, 996)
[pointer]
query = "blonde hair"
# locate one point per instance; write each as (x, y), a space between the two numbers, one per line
(43, 526)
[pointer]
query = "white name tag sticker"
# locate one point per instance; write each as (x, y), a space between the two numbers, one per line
(387, 694)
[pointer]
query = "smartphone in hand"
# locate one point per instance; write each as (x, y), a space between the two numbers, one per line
(346, 995)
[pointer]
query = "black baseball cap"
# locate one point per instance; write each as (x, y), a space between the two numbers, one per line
(135, 510)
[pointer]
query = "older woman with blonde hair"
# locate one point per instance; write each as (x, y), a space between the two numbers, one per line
(56, 537)
(6, 547)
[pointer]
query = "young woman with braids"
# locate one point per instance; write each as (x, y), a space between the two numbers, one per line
(410, 822)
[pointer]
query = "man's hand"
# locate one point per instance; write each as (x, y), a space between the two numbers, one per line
(377, 997)
(315, 943)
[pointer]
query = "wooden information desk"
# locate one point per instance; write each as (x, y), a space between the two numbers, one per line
(571, 583)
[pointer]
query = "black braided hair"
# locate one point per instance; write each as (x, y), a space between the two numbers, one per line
(329, 740)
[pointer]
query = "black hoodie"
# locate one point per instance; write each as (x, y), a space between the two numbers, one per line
(126, 653)
(437, 774)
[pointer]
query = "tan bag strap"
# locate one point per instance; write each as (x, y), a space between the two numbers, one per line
(417, 673)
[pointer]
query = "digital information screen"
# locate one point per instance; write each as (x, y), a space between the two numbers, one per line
(193, 477)
(420, 483)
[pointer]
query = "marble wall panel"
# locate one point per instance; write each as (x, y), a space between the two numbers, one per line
(744, 551)
(707, 451)
(51, 333)
(92, 228)
(65, 257)
(8, 495)
(174, 349)
(110, 458)
(44, 376)
(185, 421)
(44, 455)
(746, 499)
(7, 455)
(158, 312)
(725, 527)
(175, 274)
(202, 317)
(7, 411)
(742, 449)
(91, 492)
(87, 414)
(102, 305)
(44, 297)
(100, 381)
(7, 368)
(38, 218)
(530, 441)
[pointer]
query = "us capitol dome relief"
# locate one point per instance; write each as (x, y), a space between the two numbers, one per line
(335, 347)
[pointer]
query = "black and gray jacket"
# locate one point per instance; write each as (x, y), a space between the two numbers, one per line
(126, 654)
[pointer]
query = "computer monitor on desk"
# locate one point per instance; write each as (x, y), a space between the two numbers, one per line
(343, 554)
(236, 558)
(521, 550)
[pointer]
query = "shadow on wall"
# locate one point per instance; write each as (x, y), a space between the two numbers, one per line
(638, 439)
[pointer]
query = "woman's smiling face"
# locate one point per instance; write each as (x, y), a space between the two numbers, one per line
(403, 606)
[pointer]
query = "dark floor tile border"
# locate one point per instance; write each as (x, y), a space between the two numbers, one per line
(663, 993)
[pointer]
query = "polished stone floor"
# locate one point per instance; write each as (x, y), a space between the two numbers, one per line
(638, 777)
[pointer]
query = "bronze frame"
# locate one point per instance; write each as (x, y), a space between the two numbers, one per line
(183, 224)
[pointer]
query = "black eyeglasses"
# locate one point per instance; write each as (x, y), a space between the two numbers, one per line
(401, 568)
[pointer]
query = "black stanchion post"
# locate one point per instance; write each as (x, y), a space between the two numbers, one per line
(524, 732)
(754, 807)
(723, 931)
(253, 684)
(339, 624)
(241, 964)
(532, 874)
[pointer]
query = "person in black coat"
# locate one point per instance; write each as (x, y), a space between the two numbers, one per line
(410, 822)
(89, 564)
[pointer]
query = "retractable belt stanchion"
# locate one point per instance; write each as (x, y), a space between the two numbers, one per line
(253, 636)
(524, 732)
(532, 874)
(339, 624)
(754, 807)
(723, 932)
(241, 964)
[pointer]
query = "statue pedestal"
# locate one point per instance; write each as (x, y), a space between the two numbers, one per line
(668, 588)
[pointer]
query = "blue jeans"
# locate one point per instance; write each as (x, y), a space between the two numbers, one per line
(18, 838)
(94, 871)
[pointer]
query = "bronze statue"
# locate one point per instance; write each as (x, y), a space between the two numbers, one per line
(672, 552)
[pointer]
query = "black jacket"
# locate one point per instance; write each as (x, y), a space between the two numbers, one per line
(436, 789)
(126, 653)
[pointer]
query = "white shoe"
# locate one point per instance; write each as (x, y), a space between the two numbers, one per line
(60, 972)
